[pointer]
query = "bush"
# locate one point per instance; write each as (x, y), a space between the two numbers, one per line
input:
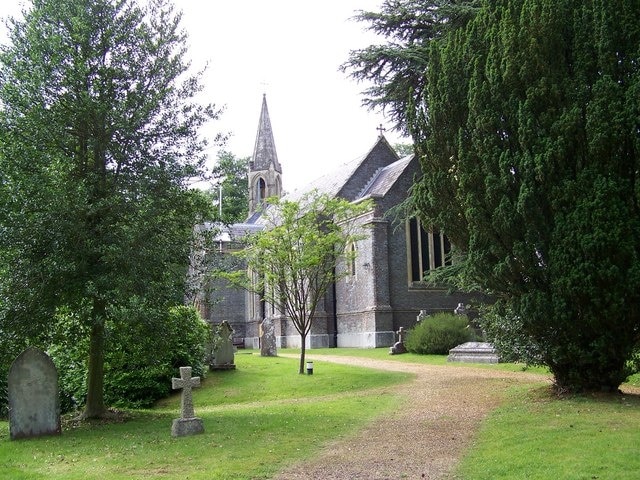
(139, 365)
(144, 350)
(438, 333)
(505, 331)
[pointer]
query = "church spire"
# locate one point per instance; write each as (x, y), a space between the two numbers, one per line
(265, 173)
(264, 152)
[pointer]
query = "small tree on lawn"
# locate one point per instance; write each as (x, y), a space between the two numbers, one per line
(293, 259)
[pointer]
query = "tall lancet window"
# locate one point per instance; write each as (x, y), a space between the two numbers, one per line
(261, 191)
(278, 191)
(427, 250)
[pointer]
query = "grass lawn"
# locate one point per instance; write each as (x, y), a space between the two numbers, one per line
(537, 436)
(257, 419)
(264, 416)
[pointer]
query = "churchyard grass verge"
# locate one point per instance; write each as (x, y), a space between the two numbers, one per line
(383, 354)
(257, 420)
(538, 436)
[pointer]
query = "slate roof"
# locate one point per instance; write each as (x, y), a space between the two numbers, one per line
(377, 183)
(331, 183)
(385, 178)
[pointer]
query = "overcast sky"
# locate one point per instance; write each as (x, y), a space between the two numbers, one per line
(290, 50)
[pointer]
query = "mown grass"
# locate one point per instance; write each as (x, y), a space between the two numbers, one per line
(538, 436)
(257, 419)
(264, 416)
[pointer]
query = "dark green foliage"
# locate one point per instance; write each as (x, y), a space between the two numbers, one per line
(395, 70)
(138, 365)
(439, 333)
(230, 175)
(530, 164)
(98, 143)
(526, 120)
(506, 333)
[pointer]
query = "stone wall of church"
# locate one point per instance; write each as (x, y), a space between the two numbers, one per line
(407, 298)
(364, 316)
(227, 303)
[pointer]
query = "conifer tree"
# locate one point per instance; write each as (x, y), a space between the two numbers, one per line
(530, 151)
(526, 119)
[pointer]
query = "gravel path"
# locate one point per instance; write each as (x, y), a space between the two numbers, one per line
(427, 435)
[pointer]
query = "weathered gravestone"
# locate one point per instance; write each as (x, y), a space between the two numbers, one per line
(399, 347)
(223, 358)
(34, 403)
(268, 339)
(188, 423)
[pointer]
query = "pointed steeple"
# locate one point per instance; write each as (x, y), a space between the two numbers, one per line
(264, 152)
(265, 173)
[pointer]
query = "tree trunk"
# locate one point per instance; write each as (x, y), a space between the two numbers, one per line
(95, 407)
(303, 339)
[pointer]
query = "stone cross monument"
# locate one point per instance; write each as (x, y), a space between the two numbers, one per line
(399, 347)
(188, 423)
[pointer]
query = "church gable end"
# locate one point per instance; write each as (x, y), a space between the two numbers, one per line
(380, 156)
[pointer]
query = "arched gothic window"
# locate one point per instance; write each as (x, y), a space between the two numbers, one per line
(261, 191)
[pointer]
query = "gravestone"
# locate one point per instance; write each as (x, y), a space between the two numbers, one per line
(188, 423)
(34, 403)
(398, 347)
(268, 339)
(473, 352)
(223, 358)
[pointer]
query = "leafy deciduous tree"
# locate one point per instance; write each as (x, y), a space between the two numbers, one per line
(230, 176)
(98, 137)
(291, 263)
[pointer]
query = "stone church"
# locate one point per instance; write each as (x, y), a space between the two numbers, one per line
(382, 290)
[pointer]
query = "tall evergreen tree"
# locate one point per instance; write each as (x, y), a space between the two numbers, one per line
(98, 140)
(526, 118)
(394, 71)
(530, 147)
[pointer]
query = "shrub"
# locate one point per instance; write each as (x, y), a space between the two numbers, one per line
(139, 366)
(505, 331)
(144, 350)
(438, 333)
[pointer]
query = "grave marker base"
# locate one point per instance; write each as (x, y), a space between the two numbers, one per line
(182, 427)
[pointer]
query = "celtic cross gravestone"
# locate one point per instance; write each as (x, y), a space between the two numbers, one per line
(188, 423)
